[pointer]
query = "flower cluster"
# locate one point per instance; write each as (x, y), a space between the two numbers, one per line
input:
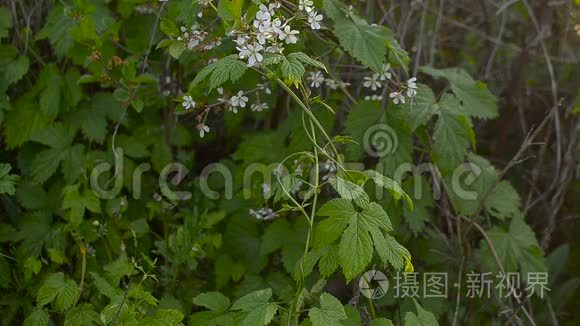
(233, 103)
(316, 79)
(263, 213)
(410, 87)
(267, 34)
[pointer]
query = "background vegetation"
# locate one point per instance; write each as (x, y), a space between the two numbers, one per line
(86, 82)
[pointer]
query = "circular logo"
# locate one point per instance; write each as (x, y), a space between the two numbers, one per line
(373, 284)
(380, 140)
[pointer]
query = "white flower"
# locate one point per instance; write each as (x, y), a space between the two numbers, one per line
(184, 34)
(241, 40)
(411, 87)
(259, 106)
(274, 48)
(202, 129)
(263, 213)
(262, 18)
(305, 5)
(331, 83)
(266, 189)
(397, 97)
(374, 97)
(265, 88)
(188, 102)
(239, 100)
(252, 52)
(316, 79)
(275, 27)
(288, 34)
(314, 19)
(386, 73)
(195, 38)
(372, 82)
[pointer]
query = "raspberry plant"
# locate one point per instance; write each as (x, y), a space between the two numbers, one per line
(269, 109)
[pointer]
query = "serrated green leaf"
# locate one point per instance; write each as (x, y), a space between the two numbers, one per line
(38, 317)
(257, 308)
(349, 190)
(422, 318)
(364, 115)
(292, 70)
(477, 100)
(63, 293)
(213, 301)
(330, 312)
(451, 137)
(391, 185)
(82, 315)
(422, 106)
(7, 180)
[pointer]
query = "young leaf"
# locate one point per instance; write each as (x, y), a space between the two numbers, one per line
(7, 180)
(63, 292)
(82, 315)
(213, 301)
(477, 100)
(422, 318)
(257, 308)
(330, 312)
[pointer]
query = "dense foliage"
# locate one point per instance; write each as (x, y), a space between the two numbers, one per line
(225, 162)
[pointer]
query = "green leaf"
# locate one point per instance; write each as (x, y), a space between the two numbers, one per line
(292, 70)
(503, 201)
(14, 71)
(5, 22)
(257, 307)
(230, 9)
(21, 122)
(93, 123)
(422, 318)
(330, 312)
(63, 293)
(422, 106)
(363, 230)
(58, 30)
(356, 249)
(221, 71)
(7, 180)
(45, 164)
(367, 43)
(168, 27)
(305, 59)
(176, 49)
(213, 301)
(275, 235)
(364, 115)
(165, 317)
(38, 317)
(349, 190)
(477, 100)
(76, 203)
(394, 253)
(381, 322)
(514, 247)
(104, 287)
(391, 185)
(50, 97)
(82, 315)
(451, 137)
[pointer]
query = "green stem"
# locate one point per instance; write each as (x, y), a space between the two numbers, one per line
(310, 115)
